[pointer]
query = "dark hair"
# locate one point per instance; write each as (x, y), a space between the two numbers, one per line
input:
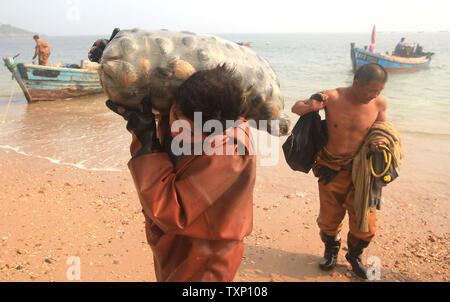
(216, 93)
(371, 72)
(35, 37)
(402, 39)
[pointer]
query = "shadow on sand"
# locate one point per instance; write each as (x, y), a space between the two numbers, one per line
(265, 264)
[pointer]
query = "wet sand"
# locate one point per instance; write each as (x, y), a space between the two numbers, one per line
(50, 212)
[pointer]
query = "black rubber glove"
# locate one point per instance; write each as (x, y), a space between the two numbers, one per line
(142, 124)
(96, 52)
(326, 174)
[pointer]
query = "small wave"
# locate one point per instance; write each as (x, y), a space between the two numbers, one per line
(436, 134)
(58, 162)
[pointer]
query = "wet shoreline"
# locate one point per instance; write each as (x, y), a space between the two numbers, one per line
(50, 212)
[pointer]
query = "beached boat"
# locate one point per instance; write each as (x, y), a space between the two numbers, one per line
(390, 62)
(53, 83)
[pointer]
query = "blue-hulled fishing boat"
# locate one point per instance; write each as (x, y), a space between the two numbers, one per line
(52, 83)
(391, 63)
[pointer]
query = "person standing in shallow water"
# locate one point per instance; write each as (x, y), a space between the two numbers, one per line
(350, 114)
(42, 50)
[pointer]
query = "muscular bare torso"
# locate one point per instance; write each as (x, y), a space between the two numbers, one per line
(348, 121)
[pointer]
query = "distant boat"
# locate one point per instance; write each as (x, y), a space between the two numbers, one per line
(52, 83)
(391, 63)
(248, 44)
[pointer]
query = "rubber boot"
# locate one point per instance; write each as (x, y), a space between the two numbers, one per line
(332, 246)
(355, 250)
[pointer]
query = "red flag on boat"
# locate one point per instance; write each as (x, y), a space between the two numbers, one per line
(372, 46)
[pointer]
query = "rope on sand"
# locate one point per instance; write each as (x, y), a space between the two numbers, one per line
(9, 104)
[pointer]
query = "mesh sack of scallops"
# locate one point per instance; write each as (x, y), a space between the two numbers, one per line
(141, 63)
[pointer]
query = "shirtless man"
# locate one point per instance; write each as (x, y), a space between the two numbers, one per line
(350, 113)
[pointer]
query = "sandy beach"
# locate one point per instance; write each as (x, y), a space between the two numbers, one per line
(50, 212)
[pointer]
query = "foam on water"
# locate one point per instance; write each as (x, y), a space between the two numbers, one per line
(58, 162)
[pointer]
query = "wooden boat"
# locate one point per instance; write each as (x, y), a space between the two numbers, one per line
(52, 83)
(390, 62)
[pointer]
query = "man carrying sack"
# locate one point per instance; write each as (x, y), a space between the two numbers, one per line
(198, 207)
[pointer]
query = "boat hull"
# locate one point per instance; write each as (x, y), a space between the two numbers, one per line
(392, 64)
(48, 83)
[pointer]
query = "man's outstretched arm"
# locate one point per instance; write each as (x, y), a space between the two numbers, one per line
(312, 104)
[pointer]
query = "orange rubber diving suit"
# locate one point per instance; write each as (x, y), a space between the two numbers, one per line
(196, 212)
(337, 192)
(337, 197)
(43, 51)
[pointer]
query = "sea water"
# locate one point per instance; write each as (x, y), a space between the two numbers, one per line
(82, 132)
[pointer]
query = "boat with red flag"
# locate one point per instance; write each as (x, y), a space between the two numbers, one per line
(413, 58)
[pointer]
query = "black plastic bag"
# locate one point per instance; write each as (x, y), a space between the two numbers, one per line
(307, 138)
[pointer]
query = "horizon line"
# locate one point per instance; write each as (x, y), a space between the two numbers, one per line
(252, 33)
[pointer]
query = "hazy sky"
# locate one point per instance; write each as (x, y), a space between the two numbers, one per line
(95, 17)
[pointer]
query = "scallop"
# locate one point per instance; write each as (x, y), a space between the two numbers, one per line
(141, 63)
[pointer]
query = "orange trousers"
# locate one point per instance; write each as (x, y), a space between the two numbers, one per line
(336, 198)
(43, 58)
